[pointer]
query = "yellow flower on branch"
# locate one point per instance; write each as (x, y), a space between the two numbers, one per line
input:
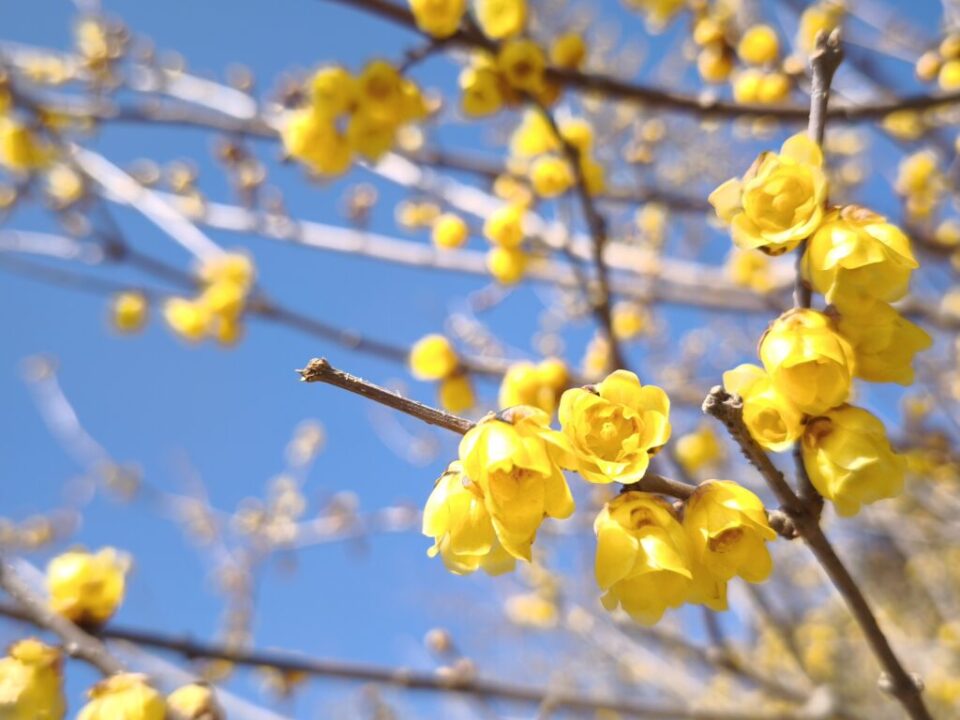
(522, 62)
(779, 201)
(699, 449)
(481, 91)
(20, 149)
(188, 319)
(449, 231)
(31, 682)
(551, 176)
(87, 587)
(759, 45)
(643, 561)
(501, 18)
(128, 312)
(456, 393)
(616, 429)
(504, 226)
(772, 420)
(849, 459)
(439, 18)
(433, 358)
(537, 385)
(507, 265)
(808, 361)
(857, 252)
(126, 696)
(196, 701)
(516, 461)
(333, 91)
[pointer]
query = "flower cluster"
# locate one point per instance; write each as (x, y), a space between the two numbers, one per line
(859, 263)
(433, 357)
(486, 509)
(347, 115)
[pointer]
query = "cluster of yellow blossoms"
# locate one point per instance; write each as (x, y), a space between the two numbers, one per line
(859, 263)
(486, 509)
(87, 588)
(942, 64)
(433, 357)
(347, 115)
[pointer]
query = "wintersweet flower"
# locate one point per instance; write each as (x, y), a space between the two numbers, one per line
(551, 176)
(507, 265)
(501, 18)
(438, 18)
(481, 91)
(456, 393)
(196, 701)
(87, 587)
(849, 459)
(615, 429)
(643, 561)
(517, 460)
(538, 385)
(20, 149)
(772, 420)
(759, 45)
(128, 312)
(433, 358)
(31, 682)
(699, 449)
(779, 201)
(856, 251)
(522, 62)
(504, 226)
(449, 231)
(126, 696)
(808, 361)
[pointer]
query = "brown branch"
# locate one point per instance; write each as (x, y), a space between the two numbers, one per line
(319, 370)
(895, 680)
(76, 643)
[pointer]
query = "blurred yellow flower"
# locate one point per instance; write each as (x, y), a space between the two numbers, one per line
(522, 62)
(439, 18)
(551, 176)
(196, 701)
(449, 231)
(128, 311)
(501, 18)
(507, 265)
(504, 226)
(432, 357)
(884, 342)
(699, 449)
(456, 393)
(123, 697)
(538, 385)
(759, 45)
(31, 682)
(87, 587)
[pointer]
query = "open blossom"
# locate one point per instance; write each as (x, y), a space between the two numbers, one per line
(849, 459)
(884, 342)
(779, 201)
(808, 361)
(771, 418)
(86, 587)
(126, 696)
(31, 682)
(616, 429)
(516, 462)
(643, 556)
(857, 252)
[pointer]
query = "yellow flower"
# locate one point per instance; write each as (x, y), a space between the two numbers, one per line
(380, 91)
(699, 449)
(579, 133)
(849, 459)
(884, 342)
(536, 385)
(223, 299)
(433, 358)
(630, 320)
(760, 87)
(808, 361)
(568, 51)
(456, 393)
(949, 76)
(772, 420)
(369, 136)
(188, 319)
(501, 18)
(516, 461)
(20, 149)
(643, 559)
(858, 253)
(456, 517)
(759, 45)
(504, 226)
(657, 13)
(615, 430)
(315, 140)
(128, 311)
(824, 17)
(919, 173)
(439, 18)
(333, 91)
(507, 265)
(230, 267)
(779, 202)
(85, 587)
(31, 682)
(522, 62)
(728, 530)
(481, 91)
(748, 268)
(123, 697)
(715, 62)
(533, 136)
(195, 701)
(64, 185)
(551, 176)
(594, 175)
(449, 231)
(532, 610)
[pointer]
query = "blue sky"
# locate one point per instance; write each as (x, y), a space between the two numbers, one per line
(228, 415)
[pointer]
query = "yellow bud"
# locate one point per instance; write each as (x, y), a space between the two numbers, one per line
(31, 682)
(188, 319)
(433, 358)
(85, 587)
(504, 226)
(456, 393)
(773, 88)
(630, 320)
(449, 231)
(699, 449)
(333, 91)
(532, 610)
(949, 76)
(481, 92)
(551, 176)
(20, 149)
(708, 30)
(195, 701)
(533, 136)
(501, 18)
(759, 45)
(748, 268)
(128, 312)
(315, 140)
(536, 385)
(522, 63)
(715, 63)
(773, 421)
(123, 697)
(950, 47)
(64, 185)
(927, 66)
(507, 265)
(568, 51)
(439, 18)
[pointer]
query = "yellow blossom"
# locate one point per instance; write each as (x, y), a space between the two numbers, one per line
(439, 18)
(501, 18)
(449, 231)
(630, 320)
(537, 385)
(369, 136)
(504, 226)
(949, 76)
(808, 361)
(919, 173)
(522, 62)
(779, 201)
(196, 701)
(643, 561)
(315, 140)
(857, 252)
(772, 420)
(507, 265)
(715, 62)
(884, 342)
(20, 149)
(928, 65)
(516, 461)
(433, 358)
(657, 13)
(333, 91)
(568, 51)
(579, 133)
(128, 311)
(126, 696)
(849, 459)
(481, 91)
(189, 319)
(698, 449)
(551, 176)
(456, 393)
(229, 267)
(64, 185)
(31, 682)
(748, 268)
(904, 124)
(759, 45)
(823, 16)
(533, 136)
(616, 429)
(532, 610)
(86, 587)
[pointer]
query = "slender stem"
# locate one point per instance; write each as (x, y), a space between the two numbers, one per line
(76, 643)
(319, 370)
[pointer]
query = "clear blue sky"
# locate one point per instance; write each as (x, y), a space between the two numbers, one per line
(228, 414)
